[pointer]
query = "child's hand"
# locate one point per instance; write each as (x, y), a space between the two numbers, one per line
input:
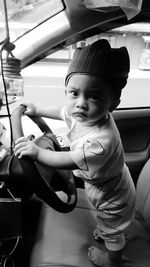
(30, 108)
(26, 147)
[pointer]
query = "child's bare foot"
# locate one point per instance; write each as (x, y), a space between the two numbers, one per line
(96, 234)
(98, 257)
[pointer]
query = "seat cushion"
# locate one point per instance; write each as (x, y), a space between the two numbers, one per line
(63, 239)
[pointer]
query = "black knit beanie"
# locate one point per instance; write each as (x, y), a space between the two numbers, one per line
(99, 59)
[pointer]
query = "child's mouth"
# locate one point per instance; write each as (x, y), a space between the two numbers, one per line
(80, 114)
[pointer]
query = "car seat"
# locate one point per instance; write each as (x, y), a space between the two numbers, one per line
(64, 239)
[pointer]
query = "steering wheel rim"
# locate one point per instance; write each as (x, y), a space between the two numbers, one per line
(35, 179)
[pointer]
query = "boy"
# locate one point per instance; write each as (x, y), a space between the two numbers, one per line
(95, 78)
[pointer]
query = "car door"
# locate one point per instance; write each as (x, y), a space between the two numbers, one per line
(134, 127)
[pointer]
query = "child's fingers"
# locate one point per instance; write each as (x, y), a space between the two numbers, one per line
(21, 139)
(20, 151)
(22, 154)
(25, 103)
(30, 107)
(20, 145)
(25, 147)
(18, 148)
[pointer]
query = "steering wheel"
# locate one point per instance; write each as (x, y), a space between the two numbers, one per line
(37, 177)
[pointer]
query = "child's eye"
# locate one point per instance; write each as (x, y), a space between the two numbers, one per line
(93, 98)
(74, 93)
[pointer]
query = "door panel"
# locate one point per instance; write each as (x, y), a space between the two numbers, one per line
(134, 128)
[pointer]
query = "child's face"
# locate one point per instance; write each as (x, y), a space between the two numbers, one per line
(88, 98)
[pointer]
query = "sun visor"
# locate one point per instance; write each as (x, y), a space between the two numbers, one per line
(130, 7)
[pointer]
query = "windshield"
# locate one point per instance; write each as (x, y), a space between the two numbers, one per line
(26, 15)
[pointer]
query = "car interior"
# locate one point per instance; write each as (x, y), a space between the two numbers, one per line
(39, 228)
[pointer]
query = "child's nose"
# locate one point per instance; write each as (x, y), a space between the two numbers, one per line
(81, 102)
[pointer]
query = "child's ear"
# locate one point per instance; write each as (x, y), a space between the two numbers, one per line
(114, 105)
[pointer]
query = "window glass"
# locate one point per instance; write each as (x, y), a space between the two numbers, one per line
(44, 80)
(50, 72)
(25, 15)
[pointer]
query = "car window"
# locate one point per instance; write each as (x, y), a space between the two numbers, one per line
(48, 75)
(44, 80)
(26, 15)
